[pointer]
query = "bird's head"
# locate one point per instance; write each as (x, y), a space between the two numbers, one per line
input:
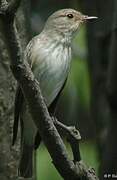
(66, 21)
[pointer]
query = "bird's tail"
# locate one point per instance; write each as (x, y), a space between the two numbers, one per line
(26, 162)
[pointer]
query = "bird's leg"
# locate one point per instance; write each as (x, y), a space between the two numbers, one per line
(67, 130)
(73, 137)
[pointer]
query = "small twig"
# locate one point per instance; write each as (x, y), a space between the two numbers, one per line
(69, 131)
(74, 143)
(73, 137)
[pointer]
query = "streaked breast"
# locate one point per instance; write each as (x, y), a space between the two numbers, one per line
(51, 66)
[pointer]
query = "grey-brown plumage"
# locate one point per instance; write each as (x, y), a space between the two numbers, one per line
(49, 55)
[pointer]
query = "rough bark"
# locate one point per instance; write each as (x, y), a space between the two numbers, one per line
(7, 89)
(9, 156)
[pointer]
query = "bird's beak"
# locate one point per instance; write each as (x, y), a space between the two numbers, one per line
(85, 17)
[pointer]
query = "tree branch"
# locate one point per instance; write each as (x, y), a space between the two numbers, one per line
(73, 137)
(68, 169)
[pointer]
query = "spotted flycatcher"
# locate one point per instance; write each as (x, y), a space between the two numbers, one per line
(49, 56)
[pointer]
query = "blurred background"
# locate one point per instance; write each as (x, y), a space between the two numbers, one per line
(89, 100)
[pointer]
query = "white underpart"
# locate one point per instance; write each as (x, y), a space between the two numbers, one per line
(50, 62)
(51, 66)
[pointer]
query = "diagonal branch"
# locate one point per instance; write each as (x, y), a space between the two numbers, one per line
(68, 169)
(73, 137)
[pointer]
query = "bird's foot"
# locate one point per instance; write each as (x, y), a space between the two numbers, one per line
(67, 130)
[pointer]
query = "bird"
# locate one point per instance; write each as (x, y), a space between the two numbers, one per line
(49, 56)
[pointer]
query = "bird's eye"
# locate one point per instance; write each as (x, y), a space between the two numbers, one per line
(70, 15)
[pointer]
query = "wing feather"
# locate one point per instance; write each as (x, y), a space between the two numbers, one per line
(18, 106)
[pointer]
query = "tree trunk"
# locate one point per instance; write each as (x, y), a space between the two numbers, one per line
(9, 156)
